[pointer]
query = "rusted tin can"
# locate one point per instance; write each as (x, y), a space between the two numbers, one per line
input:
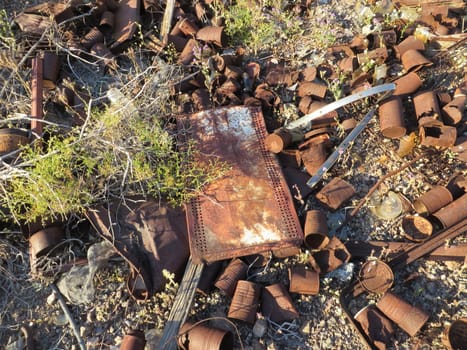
(177, 41)
(348, 124)
(51, 69)
(455, 336)
(227, 281)
(92, 37)
(208, 277)
(199, 337)
(376, 326)
(407, 84)
(201, 99)
(310, 88)
(303, 280)
(433, 200)
(233, 72)
(406, 316)
(42, 241)
(438, 136)
(277, 304)
(101, 50)
(376, 276)
(215, 35)
(409, 43)
(378, 55)
(281, 139)
(426, 107)
(309, 73)
(454, 111)
(335, 193)
(413, 61)
(316, 230)
(457, 185)
(187, 54)
(452, 213)
(188, 27)
(391, 118)
(133, 340)
(230, 86)
(331, 257)
(106, 23)
(313, 156)
(282, 253)
(417, 228)
(12, 139)
(245, 302)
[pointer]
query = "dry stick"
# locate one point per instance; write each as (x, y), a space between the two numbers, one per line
(68, 315)
(379, 182)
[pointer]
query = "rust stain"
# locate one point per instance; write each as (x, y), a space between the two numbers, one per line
(250, 209)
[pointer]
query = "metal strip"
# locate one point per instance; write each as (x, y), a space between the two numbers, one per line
(341, 149)
(36, 98)
(303, 121)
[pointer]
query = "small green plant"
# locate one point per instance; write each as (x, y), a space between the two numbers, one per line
(119, 154)
(7, 39)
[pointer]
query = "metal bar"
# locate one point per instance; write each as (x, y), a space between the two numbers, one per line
(341, 149)
(181, 305)
(36, 96)
(364, 249)
(306, 119)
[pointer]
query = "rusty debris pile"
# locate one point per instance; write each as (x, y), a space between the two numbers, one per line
(283, 129)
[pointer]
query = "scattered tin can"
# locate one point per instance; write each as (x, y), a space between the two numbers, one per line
(316, 229)
(309, 73)
(409, 43)
(42, 241)
(376, 326)
(417, 228)
(187, 55)
(406, 316)
(452, 213)
(199, 337)
(413, 61)
(208, 277)
(303, 280)
(391, 118)
(310, 88)
(282, 138)
(313, 156)
(245, 302)
(433, 200)
(282, 253)
(407, 84)
(215, 35)
(376, 276)
(188, 27)
(106, 23)
(335, 193)
(11, 139)
(201, 99)
(51, 69)
(457, 185)
(133, 340)
(438, 136)
(454, 111)
(455, 336)
(331, 257)
(227, 281)
(177, 41)
(426, 108)
(277, 304)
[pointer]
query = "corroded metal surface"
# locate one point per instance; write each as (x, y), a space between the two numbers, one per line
(250, 209)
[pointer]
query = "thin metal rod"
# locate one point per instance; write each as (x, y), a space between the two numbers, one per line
(68, 315)
(306, 119)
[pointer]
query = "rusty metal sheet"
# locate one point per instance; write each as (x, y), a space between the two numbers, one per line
(250, 209)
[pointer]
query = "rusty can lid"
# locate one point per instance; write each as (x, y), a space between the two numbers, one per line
(376, 276)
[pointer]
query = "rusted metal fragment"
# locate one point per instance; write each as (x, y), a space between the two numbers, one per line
(59, 11)
(335, 193)
(126, 23)
(133, 340)
(150, 235)
(376, 326)
(250, 209)
(360, 249)
(277, 304)
(376, 276)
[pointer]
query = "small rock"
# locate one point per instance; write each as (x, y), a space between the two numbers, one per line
(60, 320)
(51, 299)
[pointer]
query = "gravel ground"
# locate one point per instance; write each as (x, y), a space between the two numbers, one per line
(437, 287)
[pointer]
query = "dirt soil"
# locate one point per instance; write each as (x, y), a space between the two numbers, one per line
(29, 311)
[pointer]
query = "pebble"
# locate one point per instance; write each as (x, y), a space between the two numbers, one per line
(260, 328)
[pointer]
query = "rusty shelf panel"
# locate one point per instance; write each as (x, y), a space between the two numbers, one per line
(250, 209)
